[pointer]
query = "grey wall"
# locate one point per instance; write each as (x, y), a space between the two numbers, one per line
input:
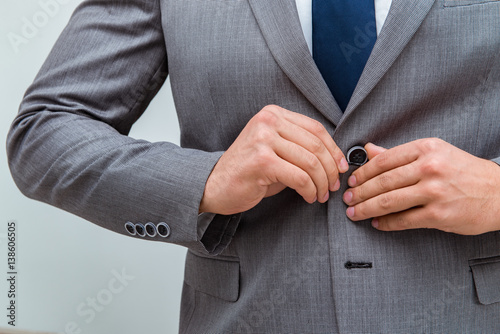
(66, 267)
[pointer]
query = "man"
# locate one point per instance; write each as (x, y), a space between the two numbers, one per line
(285, 233)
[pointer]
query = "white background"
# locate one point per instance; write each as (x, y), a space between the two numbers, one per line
(62, 260)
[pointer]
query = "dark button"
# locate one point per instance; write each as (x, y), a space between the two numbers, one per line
(150, 230)
(357, 156)
(358, 265)
(163, 230)
(141, 231)
(130, 228)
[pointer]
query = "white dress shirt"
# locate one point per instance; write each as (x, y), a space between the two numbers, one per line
(305, 14)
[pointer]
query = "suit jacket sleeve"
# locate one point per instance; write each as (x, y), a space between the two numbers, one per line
(68, 146)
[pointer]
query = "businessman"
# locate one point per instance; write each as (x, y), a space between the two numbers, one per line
(334, 175)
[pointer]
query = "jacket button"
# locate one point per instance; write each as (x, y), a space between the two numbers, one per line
(130, 228)
(163, 230)
(150, 230)
(357, 156)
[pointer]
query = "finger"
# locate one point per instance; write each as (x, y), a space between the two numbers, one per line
(281, 171)
(317, 129)
(397, 178)
(315, 145)
(427, 216)
(308, 162)
(383, 162)
(387, 203)
(407, 220)
(373, 150)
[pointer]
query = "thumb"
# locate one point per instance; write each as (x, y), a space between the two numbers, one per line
(373, 150)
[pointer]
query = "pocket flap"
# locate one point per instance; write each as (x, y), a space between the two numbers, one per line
(215, 277)
(486, 273)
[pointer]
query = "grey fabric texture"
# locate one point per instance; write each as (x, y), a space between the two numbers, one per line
(281, 266)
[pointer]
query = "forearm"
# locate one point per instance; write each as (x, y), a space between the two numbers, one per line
(86, 167)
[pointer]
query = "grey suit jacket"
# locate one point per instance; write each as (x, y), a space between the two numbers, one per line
(284, 266)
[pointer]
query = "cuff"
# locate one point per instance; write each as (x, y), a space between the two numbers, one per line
(216, 231)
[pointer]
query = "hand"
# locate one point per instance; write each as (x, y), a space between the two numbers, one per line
(426, 183)
(276, 149)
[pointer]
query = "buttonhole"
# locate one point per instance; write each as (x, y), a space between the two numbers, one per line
(358, 265)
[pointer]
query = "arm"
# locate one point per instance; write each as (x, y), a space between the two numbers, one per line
(68, 145)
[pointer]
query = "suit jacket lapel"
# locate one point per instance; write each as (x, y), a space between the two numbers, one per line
(280, 26)
(403, 20)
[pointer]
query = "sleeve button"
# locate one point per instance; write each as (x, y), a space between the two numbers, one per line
(130, 228)
(163, 230)
(150, 230)
(141, 231)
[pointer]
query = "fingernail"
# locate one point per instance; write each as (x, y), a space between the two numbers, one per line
(314, 200)
(336, 186)
(375, 223)
(347, 197)
(351, 181)
(350, 212)
(344, 166)
(326, 197)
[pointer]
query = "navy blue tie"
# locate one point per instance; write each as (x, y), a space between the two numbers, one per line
(344, 32)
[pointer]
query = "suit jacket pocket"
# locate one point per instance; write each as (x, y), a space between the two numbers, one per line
(216, 277)
(460, 3)
(486, 273)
